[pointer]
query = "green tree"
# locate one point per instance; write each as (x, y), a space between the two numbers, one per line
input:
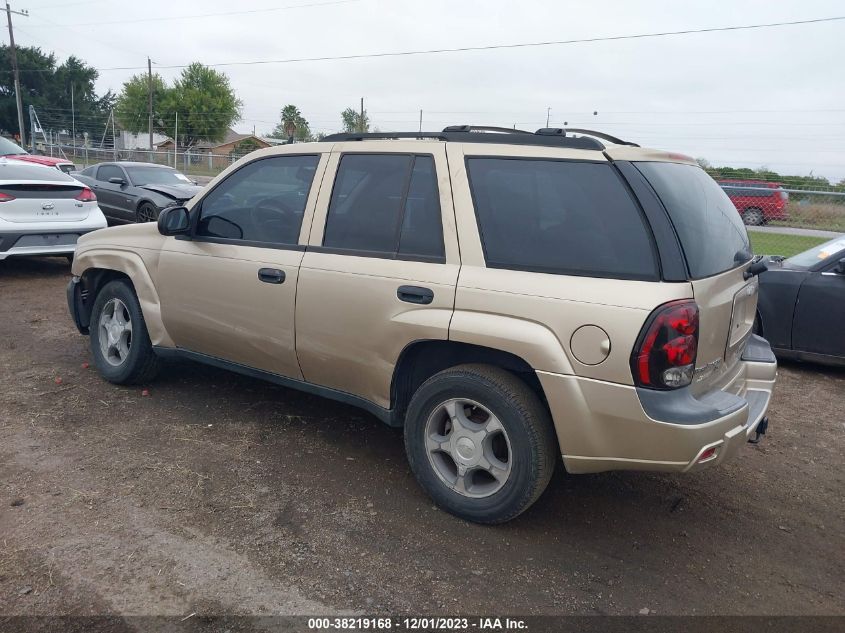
(48, 88)
(203, 98)
(132, 107)
(291, 114)
(353, 121)
(206, 103)
(244, 147)
(75, 78)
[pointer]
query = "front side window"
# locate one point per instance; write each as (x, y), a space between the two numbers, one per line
(562, 217)
(386, 204)
(711, 231)
(109, 171)
(264, 201)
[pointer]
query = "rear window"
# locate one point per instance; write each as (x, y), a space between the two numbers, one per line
(563, 217)
(712, 234)
(13, 170)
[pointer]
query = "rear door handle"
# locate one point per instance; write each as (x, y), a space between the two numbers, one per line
(415, 294)
(271, 275)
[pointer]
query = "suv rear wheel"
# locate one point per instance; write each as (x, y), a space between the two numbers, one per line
(480, 442)
(120, 343)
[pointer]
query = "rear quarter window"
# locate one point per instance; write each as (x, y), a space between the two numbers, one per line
(708, 225)
(561, 217)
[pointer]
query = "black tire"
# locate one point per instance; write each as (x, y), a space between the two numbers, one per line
(140, 364)
(146, 212)
(533, 445)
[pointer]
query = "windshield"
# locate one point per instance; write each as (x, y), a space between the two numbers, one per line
(811, 257)
(7, 148)
(156, 176)
(711, 232)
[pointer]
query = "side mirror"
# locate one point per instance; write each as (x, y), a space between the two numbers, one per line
(117, 180)
(174, 221)
(840, 267)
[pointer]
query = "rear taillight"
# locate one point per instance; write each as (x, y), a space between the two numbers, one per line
(664, 356)
(86, 195)
(5, 197)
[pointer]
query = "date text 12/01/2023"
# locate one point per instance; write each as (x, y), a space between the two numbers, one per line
(418, 624)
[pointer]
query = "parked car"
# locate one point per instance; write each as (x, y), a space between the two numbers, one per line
(802, 304)
(137, 192)
(43, 211)
(13, 151)
(757, 201)
(506, 298)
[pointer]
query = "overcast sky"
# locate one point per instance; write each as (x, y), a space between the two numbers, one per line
(771, 97)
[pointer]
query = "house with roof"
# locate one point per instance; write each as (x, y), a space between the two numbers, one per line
(222, 153)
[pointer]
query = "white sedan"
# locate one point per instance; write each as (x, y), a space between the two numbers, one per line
(43, 211)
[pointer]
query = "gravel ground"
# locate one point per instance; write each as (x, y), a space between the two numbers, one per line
(216, 493)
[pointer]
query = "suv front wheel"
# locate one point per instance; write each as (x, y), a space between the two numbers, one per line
(120, 343)
(480, 442)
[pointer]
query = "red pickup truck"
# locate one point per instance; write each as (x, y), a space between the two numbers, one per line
(757, 201)
(11, 150)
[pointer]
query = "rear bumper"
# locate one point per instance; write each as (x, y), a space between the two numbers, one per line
(606, 426)
(47, 240)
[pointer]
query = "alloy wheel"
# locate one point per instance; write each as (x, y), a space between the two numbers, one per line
(115, 332)
(468, 448)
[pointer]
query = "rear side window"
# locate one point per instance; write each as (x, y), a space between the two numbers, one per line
(563, 217)
(387, 205)
(711, 231)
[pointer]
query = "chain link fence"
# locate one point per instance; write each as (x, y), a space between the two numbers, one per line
(200, 164)
(785, 215)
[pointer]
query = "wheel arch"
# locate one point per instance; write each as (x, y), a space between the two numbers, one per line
(422, 359)
(147, 200)
(97, 267)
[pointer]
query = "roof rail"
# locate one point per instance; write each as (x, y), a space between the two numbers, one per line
(483, 128)
(367, 136)
(601, 135)
(461, 134)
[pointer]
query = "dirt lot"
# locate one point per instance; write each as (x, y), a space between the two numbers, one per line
(219, 493)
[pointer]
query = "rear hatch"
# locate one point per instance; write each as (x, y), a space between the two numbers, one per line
(32, 193)
(40, 202)
(717, 252)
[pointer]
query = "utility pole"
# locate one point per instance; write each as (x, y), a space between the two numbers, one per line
(548, 112)
(14, 54)
(73, 119)
(361, 120)
(113, 137)
(150, 90)
(420, 121)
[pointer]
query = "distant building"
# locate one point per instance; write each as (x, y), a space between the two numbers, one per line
(128, 140)
(220, 153)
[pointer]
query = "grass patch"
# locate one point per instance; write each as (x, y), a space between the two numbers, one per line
(780, 244)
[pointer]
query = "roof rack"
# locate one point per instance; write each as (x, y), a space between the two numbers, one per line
(480, 134)
(601, 135)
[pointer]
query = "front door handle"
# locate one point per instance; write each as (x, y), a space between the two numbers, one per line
(271, 275)
(415, 294)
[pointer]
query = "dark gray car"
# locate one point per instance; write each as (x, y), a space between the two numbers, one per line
(137, 192)
(802, 304)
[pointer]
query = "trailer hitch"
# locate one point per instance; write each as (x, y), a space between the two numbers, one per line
(761, 430)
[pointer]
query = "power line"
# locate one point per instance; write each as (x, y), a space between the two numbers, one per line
(463, 49)
(201, 15)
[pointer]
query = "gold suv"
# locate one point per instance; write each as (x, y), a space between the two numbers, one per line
(505, 297)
